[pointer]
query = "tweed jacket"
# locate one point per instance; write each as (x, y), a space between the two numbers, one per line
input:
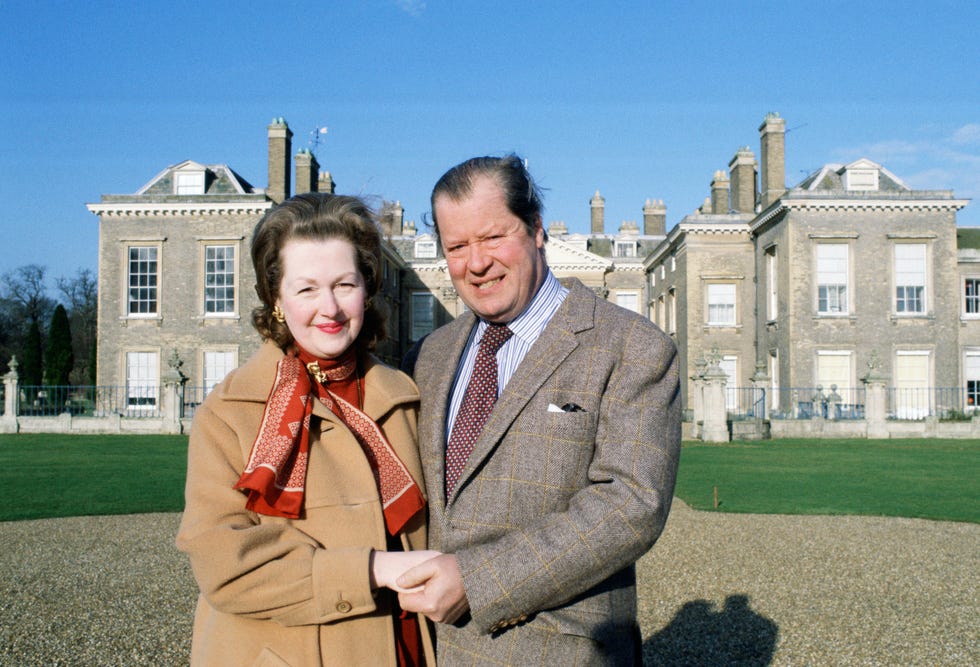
(553, 508)
(278, 591)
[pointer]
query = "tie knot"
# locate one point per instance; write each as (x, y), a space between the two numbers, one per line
(494, 337)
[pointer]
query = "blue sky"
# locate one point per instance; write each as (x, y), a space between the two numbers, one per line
(638, 100)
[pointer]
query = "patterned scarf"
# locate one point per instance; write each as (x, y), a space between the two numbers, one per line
(275, 475)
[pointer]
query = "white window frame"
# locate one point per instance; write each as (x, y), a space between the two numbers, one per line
(721, 299)
(911, 273)
(971, 297)
(833, 278)
(142, 380)
(772, 285)
(971, 379)
(628, 299)
(774, 380)
(151, 297)
(913, 402)
(425, 248)
(189, 182)
(225, 280)
(423, 302)
(215, 365)
(625, 249)
(672, 310)
(729, 362)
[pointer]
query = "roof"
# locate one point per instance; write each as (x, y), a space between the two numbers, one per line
(219, 179)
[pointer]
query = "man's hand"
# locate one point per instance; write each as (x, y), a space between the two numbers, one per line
(442, 597)
(387, 566)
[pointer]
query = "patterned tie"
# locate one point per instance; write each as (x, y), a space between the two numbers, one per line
(481, 394)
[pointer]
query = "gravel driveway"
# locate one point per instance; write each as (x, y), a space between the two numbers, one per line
(718, 589)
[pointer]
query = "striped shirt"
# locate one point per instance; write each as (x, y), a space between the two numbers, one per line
(527, 327)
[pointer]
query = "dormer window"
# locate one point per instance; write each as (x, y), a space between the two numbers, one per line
(425, 249)
(861, 179)
(189, 183)
(625, 248)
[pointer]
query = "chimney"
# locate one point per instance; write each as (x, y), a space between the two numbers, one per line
(719, 193)
(306, 171)
(773, 138)
(742, 170)
(280, 145)
(326, 183)
(655, 218)
(598, 205)
(392, 218)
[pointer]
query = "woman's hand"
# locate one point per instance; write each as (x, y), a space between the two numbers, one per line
(387, 566)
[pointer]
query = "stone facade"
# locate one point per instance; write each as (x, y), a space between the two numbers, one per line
(781, 289)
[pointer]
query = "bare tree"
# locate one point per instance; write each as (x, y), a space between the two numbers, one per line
(82, 298)
(23, 302)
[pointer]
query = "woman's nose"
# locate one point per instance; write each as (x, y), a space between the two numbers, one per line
(328, 304)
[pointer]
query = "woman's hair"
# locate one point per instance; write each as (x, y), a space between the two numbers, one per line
(521, 193)
(317, 217)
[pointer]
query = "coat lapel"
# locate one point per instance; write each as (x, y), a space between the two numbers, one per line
(556, 343)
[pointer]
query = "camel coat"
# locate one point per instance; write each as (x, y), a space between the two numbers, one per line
(295, 592)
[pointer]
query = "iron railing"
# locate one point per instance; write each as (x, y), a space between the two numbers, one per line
(141, 401)
(820, 403)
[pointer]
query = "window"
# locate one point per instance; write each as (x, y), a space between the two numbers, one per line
(912, 395)
(772, 300)
(971, 296)
(425, 249)
(971, 375)
(625, 248)
(142, 281)
(422, 314)
(661, 312)
(141, 381)
(628, 300)
(189, 183)
(861, 179)
(910, 277)
(219, 280)
(832, 273)
(774, 380)
(729, 364)
(721, 304)
(217, 364)
(834, 369)
(672, 311)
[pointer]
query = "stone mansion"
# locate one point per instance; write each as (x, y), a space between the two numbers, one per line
(848, 272)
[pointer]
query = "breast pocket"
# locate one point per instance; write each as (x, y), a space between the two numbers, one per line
(567, 443)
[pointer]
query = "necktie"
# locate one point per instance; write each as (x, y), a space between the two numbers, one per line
(481, 394)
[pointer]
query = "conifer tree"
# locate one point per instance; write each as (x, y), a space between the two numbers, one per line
(30, 365)
(59, 358)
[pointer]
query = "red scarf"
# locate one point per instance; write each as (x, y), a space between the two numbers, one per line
(275, 475)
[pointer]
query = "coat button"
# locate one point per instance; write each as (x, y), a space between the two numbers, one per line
(344, 606)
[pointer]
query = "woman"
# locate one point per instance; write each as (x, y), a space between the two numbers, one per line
(303, 495)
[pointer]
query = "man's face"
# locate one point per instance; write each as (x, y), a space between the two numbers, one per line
(495, 265)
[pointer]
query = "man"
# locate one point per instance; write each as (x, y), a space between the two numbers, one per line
(543, 514)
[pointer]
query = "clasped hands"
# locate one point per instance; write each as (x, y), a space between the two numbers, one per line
(427, 582)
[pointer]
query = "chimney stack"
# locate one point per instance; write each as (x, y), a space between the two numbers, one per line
(306, 171)
(719, 193)
(280, 145)
(773, 138)
(392, 218)
(326, 183)
(598, 206)
(743, 169)
(655, 218)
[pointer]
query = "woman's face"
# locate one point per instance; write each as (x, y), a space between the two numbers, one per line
(322, 295)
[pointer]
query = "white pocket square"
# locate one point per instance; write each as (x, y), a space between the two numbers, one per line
(554, 408)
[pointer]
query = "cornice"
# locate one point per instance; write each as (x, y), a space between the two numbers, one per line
(178, 209)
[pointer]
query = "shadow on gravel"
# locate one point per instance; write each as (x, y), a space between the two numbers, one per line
(700, 635)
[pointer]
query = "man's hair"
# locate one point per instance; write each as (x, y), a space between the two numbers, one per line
(521, 193)
(316, 217)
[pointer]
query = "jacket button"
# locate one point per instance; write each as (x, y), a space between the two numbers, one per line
(344, 606)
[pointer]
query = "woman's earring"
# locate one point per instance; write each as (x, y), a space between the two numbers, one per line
(278, 315)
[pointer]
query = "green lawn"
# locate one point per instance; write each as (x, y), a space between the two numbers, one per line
(926, 478)
(51, 475)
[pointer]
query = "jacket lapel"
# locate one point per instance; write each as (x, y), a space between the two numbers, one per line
(556, 343)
